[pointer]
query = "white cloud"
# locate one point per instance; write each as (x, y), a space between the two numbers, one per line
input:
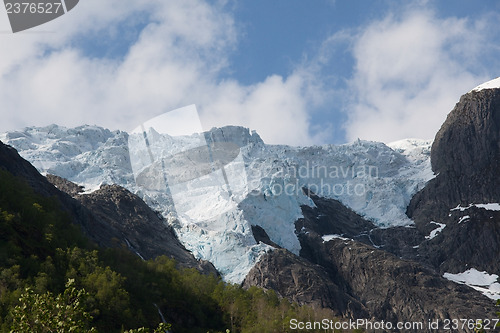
(177, 60)
(277, 108)
(410, 71)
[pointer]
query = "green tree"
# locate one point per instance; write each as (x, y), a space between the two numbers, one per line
(498, 313)
(45, 313)
(162, 328)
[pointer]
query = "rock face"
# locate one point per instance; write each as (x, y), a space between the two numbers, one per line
(355, 275)
(142, 230)
(466, 157)
(261, 235)
(65, 186)
(303, 282)
(468, 145)
(393, 289)
(330, 217)
(123, 219)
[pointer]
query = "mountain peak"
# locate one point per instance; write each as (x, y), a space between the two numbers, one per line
(465, 156)
(238, 135)
(468, 141)
(492, 84)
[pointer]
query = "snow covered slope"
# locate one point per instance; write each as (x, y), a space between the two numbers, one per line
(492, 84)
(214, 220)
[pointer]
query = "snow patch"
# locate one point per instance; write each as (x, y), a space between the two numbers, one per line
(483, 282)
(327, 238)
(464, 218)
(493, 84)
(435, 232)
(91, 189)
(488, 206)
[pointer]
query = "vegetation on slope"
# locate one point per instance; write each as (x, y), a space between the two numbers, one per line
(51, 275)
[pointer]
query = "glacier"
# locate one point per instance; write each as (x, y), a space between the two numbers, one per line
(374, 179)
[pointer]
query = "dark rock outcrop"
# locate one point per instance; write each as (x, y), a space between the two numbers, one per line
(466, 158)
(107, 216)
(393, 289)
(138, 226)
(65, 185)
(357, 281)
(261, 235)
(468, 145)
(301, 281)
(357, 275)
(471, 239)
(331, 217)
(125, 220)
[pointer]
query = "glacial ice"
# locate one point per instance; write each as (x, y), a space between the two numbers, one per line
(375, 180)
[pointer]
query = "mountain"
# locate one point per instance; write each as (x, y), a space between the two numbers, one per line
(53, 278)
(111, 216)
(371, 178)
(464, 196)
(397, 232)
(120, 218)
(358, 278)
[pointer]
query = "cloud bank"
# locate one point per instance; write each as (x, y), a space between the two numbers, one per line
(409, 70)
(178, 58)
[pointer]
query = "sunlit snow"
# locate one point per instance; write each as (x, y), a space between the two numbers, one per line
(435, 232)
(495, 83)
(481, 281)
(488, 206)
(327, 238)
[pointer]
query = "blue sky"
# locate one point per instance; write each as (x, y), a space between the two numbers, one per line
(278, 34)
(299, 72)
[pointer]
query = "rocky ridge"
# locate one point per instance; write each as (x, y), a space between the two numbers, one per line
(341, 267)
(131, 223)
(111, 216)
(466, 158)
